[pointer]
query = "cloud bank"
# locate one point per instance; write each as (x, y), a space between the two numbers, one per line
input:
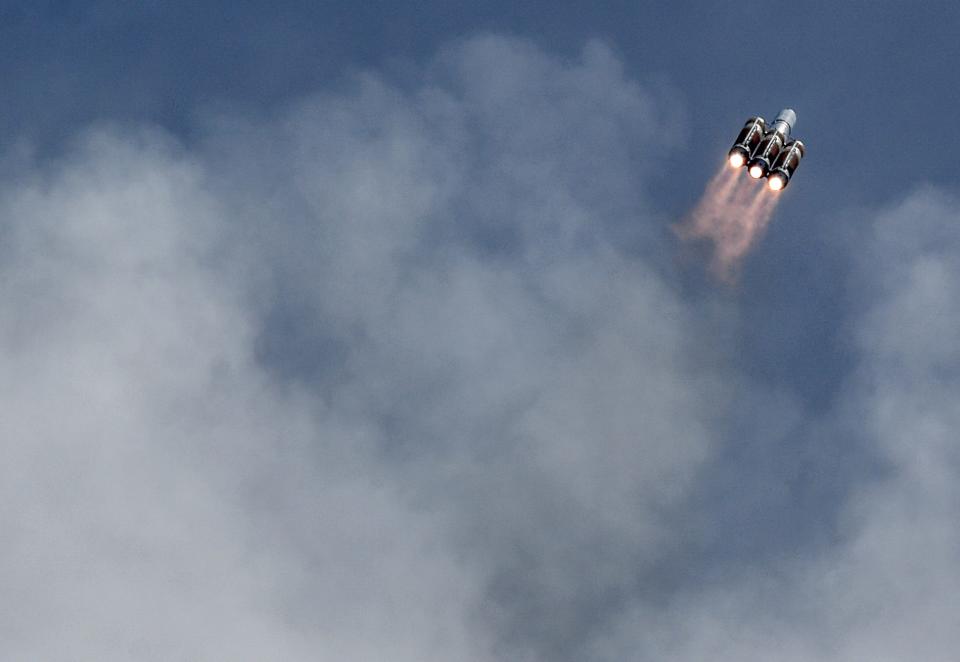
(403, 373)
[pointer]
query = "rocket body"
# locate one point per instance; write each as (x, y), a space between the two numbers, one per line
(767, 151)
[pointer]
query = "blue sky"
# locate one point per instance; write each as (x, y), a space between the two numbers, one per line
(339, 331)
(886, 64)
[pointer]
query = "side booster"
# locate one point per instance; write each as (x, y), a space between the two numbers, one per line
(746, 144)
(788, 160)
(768, 151)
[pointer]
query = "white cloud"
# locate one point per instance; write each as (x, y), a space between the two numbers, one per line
(452, 248)
(161, 498)
(498, 413)
(888, 589)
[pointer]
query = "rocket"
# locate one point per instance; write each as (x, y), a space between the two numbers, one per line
(768, 151)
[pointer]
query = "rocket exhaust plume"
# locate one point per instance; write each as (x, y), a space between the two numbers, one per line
(733, 213)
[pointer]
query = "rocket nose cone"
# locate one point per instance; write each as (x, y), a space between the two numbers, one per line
(789, 116)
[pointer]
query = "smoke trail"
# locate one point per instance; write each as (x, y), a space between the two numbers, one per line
(733, 213)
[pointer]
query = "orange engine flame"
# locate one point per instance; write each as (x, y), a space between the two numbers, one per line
(733, 213)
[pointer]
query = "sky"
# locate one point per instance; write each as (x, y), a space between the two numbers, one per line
(361, 332)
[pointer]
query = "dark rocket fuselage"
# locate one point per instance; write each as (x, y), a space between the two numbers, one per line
(768, 151)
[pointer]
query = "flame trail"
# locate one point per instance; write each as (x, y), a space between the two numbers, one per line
(733, 213)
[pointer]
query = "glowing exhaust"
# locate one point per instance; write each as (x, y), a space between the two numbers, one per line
(756, 171)
(732, 215)
(737, 159)
(775, 182)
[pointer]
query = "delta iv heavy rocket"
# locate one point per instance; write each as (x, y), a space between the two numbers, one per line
(768, 151)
